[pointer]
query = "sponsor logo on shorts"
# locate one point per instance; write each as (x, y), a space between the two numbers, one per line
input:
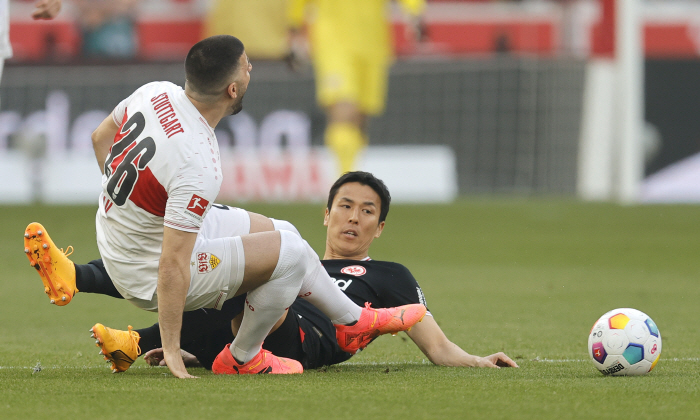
(354, 270)
(196, 207)
(206, 262)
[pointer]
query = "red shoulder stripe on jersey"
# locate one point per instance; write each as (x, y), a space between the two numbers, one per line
(148, 194)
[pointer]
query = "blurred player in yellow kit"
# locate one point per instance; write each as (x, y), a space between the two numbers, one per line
(351, 47)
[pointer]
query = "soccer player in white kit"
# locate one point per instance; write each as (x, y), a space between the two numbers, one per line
(161, 174)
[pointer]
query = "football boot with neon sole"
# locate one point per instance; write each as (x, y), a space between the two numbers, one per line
(375, 322)
(120, 348)
(57, 272)
(263, 363)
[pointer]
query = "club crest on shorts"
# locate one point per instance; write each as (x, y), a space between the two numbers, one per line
(354, 270)
(206, 262)
(196, 207)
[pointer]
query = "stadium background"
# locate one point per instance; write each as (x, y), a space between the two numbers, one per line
(501, 97)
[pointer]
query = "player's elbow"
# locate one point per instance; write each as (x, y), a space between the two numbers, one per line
(95, 139)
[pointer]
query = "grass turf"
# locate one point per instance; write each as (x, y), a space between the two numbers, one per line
(527, 277)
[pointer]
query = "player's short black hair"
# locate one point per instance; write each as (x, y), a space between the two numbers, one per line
(211, 62)
(363, 178)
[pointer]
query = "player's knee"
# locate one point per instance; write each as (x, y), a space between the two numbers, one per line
(284, 225)
(292, 263)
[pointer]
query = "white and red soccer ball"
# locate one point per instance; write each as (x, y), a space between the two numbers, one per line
(624, 341)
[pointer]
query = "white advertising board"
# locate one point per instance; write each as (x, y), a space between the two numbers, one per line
(414, 174)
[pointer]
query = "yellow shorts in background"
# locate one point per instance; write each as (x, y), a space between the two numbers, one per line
(347, 77)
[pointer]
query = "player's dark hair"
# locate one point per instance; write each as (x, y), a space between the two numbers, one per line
(211, 62)
(363, 178)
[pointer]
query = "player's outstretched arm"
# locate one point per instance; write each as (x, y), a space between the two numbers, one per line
(46, 9)
(102, 140)
(173, 283)
(431, 340)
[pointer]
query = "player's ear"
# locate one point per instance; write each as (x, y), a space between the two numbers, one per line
(325, 218)
(232, 90)
(380, 229)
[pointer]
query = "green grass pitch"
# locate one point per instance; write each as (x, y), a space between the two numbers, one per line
(527, 277)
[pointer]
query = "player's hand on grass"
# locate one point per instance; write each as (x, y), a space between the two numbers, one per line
(496, 360)
(173, 360)
(155, 357)
(46, 9)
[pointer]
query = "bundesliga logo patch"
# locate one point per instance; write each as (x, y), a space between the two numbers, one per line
(354, 270)
(206, 262)
(196, 207)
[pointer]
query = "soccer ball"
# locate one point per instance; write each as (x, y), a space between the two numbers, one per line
(624, 341)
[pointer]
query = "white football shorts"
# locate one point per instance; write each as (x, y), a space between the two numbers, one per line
(218, 261)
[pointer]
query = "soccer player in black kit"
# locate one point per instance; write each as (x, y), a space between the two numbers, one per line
(357, 207)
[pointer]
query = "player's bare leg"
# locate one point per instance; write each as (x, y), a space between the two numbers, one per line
(57, 272)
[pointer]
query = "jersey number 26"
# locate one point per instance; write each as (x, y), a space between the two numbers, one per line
(127, 158)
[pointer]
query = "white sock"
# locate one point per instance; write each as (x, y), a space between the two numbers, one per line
(266, 304)
(319, 289)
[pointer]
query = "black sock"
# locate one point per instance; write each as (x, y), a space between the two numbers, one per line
(93, 278)
(202, 331)
(150, 338)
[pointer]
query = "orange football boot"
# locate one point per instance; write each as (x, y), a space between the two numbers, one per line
(57, 272)
(120, 348)
(263, 362)
(375, 322)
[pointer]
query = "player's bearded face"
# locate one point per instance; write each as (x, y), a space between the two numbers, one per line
(243, 80)
(238, 105)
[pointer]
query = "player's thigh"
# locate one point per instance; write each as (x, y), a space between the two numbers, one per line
(260, 223)
(262, 251)
(222, 268)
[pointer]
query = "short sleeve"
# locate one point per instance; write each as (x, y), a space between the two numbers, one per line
(119, 112)
(189, 200)
(404, 289)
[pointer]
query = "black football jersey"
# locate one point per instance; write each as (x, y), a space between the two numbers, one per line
(383, 284)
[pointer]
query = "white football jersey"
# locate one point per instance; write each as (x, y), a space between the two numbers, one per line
(162, 170)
